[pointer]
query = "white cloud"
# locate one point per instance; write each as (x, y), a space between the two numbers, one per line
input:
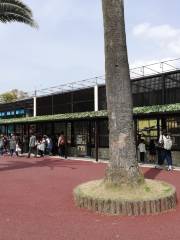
(68, 45)
(165, 36)
(141, 29)
(160, 32)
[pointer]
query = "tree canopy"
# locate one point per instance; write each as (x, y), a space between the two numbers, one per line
(12, 95)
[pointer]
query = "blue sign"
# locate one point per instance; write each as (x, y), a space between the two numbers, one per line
(17, 112)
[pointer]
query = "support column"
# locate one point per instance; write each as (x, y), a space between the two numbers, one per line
(35, 104)
(158, 128)
(52, 105)
(96, 107)
(163, 89)
(96, 140)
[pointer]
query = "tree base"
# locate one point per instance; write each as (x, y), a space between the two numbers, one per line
(150, 198)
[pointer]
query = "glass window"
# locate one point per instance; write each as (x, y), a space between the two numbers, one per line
(147, 129)
(173, 127)
(59, 127)
(103, 133)
(10, 129)
(22, 111)
(81, 132)
(19, 129)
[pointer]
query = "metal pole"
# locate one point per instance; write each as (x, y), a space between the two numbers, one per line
(52, 106)
(163, 89)
(35, 104)
(96, 140)
(96, 108)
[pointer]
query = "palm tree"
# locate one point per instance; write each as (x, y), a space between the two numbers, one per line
(123, 167)
(16, 11)
(123, 179)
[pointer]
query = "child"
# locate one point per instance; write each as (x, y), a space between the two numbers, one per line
(18, 150)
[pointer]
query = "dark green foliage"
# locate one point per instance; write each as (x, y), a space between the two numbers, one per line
(88, 115)
(66, 116)
(16, 11)
(157, 109)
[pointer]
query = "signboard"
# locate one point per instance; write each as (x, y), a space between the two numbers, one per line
(13, 113)
(81, 150)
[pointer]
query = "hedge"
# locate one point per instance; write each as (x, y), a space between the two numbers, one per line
(170, 108)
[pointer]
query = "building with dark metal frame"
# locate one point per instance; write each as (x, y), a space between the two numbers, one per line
(79, 109)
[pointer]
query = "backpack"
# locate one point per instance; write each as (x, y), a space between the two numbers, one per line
(168, 143)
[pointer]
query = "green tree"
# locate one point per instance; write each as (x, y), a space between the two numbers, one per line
(8, 97)
(16, 11)
(12, 96)
(123, 167)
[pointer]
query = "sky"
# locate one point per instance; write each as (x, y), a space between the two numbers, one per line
(69, 45)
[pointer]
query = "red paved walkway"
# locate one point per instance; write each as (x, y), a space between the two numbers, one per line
(36, 203)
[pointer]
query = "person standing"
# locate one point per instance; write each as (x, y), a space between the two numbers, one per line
(159, 150)
(1, 144)
(12, 145)
(49, 145)
(6, 144)
(32, 145)
(18, 149)
(41, 145)
(61, 145)
(142, 150)
(166, 142)
(152, 151)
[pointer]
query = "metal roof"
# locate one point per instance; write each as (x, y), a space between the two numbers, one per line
(140, 72)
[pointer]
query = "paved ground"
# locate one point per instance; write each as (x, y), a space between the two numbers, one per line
(36, 203)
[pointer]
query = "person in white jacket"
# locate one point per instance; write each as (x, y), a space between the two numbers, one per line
(166, 142)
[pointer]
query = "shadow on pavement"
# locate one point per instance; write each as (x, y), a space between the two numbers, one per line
(152, 173)
(14, 164)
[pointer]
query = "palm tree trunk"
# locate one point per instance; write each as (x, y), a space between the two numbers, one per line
(123, 167)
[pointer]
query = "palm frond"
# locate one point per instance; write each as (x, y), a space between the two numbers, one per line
(17, 4)
(16, 11)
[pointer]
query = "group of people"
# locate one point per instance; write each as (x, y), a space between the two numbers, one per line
(160, 150)
(10, 145)
(43, 145)
(38, 145)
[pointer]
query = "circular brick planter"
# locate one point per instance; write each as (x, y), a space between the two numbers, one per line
(151, 198)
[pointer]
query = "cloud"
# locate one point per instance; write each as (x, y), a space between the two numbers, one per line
(165, 36)
(148, 31)
(68, 45)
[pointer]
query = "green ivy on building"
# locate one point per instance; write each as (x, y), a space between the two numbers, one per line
(170, 108)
